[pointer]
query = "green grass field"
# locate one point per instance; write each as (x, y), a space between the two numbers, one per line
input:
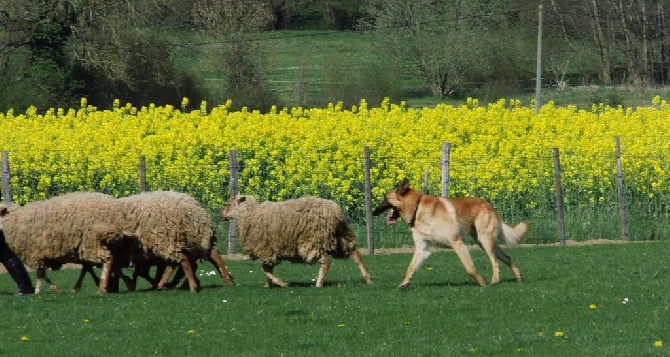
(574, 292)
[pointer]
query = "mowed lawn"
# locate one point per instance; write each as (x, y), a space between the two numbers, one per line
(570, 304)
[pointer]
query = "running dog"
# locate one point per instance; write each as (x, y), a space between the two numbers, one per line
(444, 221)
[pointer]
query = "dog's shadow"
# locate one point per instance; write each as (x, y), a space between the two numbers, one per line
(464, 283)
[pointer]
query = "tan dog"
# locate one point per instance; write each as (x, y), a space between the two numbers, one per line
(446, 221)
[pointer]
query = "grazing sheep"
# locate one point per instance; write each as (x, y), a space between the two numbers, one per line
(172, 228)
(305, 230)
(79, 227)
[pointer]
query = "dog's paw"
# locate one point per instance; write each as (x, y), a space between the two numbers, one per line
(403, 286)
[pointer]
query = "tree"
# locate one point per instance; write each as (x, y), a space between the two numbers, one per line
(233, 53)
(54, 51)
(448, 42)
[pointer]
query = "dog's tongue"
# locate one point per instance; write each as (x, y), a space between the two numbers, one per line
(389, 217)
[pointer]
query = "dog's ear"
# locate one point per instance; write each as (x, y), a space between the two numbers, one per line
(404, 186)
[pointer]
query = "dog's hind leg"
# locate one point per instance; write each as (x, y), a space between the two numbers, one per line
(507, 260)
(490, 249)
(464, 255)
(421, 252)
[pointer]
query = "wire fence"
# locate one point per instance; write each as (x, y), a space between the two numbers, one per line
(555, 203)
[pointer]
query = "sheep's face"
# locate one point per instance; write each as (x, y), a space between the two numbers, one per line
(235, 205)
(6, 209)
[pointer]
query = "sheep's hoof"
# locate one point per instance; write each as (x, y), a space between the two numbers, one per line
(403, 286)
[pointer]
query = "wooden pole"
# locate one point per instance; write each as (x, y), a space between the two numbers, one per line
(538, 70)
(559, 197)
(622, 200)
(425, 182)
(143, 174)
(368, 200)
(234, 176)
(446, 153)
(6, 182)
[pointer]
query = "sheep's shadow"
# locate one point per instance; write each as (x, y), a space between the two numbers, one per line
(311, 284)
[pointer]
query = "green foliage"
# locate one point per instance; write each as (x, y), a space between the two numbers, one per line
(574, 292)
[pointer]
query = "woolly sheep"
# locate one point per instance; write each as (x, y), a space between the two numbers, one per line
(78, 227)
(306, 230)
(173, 228)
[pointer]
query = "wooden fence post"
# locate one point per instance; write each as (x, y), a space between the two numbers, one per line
(6, 190)
(446, 153)
(424, 190)
(234, 175)
(143, 174)
(559, 197)
(622, 200)
(368, 200)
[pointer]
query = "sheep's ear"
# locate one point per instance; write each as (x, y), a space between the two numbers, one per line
(241, 199)
(404, 186)
(3, 210)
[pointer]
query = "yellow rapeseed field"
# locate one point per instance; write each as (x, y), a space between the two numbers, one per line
(502, 151)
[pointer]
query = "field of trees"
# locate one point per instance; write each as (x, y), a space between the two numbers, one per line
(311, 52)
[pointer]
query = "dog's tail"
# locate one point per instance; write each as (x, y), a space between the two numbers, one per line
(512, 235)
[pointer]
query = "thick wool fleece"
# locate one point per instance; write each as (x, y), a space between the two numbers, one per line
(78, 227)
(299, 230)
(167, 226)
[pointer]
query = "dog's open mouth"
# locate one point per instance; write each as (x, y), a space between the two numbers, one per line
(392, 216)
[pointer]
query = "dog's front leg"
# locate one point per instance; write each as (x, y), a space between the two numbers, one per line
(421, 252)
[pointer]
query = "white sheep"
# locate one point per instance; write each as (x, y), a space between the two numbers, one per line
(79, 227)
(167, 227)
(305, 230)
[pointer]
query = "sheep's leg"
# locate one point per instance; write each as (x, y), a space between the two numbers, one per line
(356, 257)
(188, 270)
(142, 270)
(166, 276)
(85, 268)
(216, 259)
(178, 275)
(323, 270)
(106, 273)
(118, 273)
(42, 275)
(267, 270)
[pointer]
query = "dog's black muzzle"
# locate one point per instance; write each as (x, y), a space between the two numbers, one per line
(383, 207)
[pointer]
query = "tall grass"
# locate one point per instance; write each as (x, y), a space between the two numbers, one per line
(573, 291)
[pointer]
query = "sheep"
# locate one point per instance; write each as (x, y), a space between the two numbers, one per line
(79, 227)
(303, 230)
(167, 227)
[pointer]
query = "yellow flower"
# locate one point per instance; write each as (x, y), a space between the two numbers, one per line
(558, 333)
(519, 349)
(540, 333)
(86, 321)
(407, 323)
(25, 338)
(473, 350)
(190, 332)
(340, 325)
(592, 306)
(658, 343)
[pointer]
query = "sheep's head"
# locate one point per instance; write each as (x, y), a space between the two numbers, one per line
(237, 204)
(6, 209)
